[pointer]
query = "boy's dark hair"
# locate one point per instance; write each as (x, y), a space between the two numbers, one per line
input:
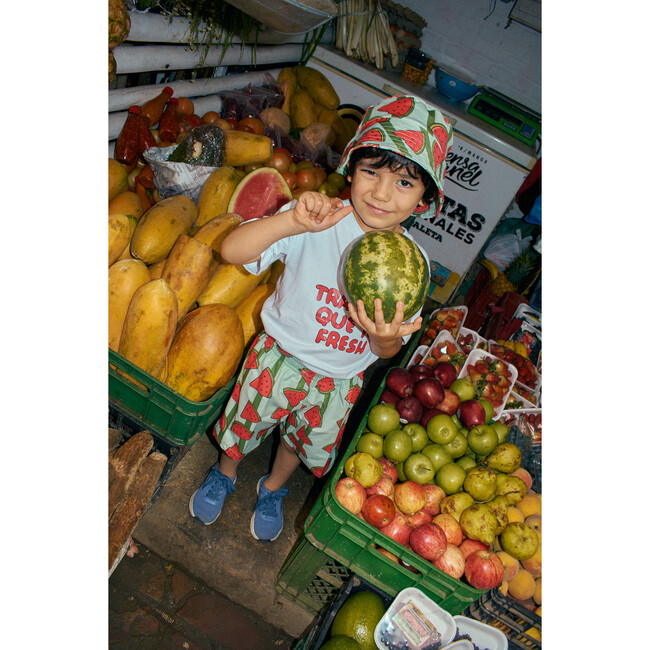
(378, 158)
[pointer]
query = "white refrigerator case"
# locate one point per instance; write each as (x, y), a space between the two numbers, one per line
(485, 168)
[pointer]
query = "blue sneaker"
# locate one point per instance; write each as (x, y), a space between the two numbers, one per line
(206, 503)
(267, 520)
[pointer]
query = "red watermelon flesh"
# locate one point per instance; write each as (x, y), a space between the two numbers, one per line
(260, 193)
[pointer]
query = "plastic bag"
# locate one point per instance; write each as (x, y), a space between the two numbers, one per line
(504, 248)
(173, 177)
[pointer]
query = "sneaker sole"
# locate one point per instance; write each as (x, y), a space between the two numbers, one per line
(253, 520)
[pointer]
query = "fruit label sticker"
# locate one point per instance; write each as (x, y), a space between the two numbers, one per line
(439, 274)
(415, 626)
(479, 187)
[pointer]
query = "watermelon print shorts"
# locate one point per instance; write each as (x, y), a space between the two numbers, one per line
(275, 389)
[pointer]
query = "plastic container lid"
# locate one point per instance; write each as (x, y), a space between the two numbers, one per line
(483, 635)
(415, 619)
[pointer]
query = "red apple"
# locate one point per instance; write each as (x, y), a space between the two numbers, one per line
(421, 370)
(409, 497)
(351, 494)
(400, 382)
(389, 469)
(378, 510)
(387, 396)
(450, 403)
(409, 409)
(471, 413)
(484, 570)
(383, 486)
(445, 372)
(435, 494)
(422, 516)
(398, 529)
(429, 391)
(427, 414)
(428, 541)
(469, 546)
(451, 527)
(451, 562)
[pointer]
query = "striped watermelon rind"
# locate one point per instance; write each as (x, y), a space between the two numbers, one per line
(387, 265)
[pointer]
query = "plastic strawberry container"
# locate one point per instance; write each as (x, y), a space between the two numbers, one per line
(482, 635)
(476, 339)
(461, 315)
(446, 343)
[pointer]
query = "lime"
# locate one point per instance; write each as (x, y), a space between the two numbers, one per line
(358, 618)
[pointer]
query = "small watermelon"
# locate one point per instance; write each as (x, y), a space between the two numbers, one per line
(260, 193)
(387, 265)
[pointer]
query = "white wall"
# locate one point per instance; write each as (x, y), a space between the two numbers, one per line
(459, 34)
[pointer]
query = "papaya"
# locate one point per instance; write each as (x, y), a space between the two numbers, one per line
(303, 112)
(318, 86)
(250, 308)
(244, 148)
(124, 278)
(156, 269)
(126, 253)
(229, 285)
(288, 83)
(160, 226)
(214, 231)
(128, 203)
(149, 326)
(215, 194)
(119, 235)
(205, 352)
(188, 268)
(117, 178)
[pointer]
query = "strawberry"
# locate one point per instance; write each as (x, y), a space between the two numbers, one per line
(481, 367)
(492, 378)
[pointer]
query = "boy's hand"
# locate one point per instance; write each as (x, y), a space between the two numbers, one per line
(316, 211)
(385, 338)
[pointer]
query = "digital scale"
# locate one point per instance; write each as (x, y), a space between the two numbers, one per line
(506, 115)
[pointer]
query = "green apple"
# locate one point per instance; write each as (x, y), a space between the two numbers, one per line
(457, 447)
(450, 478)
(383, 418)
(418, 435)
(482, 439)
(464, 388)
(456, 420)
(371, 443)
(419, 468)
(488, 408)
(466, 462)
(503, 430)
(398, 445)
(441, 429)
(400, 472)
(438, 454)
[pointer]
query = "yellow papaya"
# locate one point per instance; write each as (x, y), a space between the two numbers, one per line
(188, 268)
(303, 112)
(126, 253)
(250, 308)
(318, 86)
(156, 269)
(288, 82)
(215, 194)
(128, 203)
(124, 278)
(117, 178)
(244, 148)
(119, 235)
(205, 352)
(229, 285)
(160, 226)
(149, 326)
(214, 231)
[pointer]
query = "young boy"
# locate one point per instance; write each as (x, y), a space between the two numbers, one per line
(305, 371)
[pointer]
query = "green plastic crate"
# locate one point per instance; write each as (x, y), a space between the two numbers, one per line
(159, 407)
(355, 544)
(310, 578)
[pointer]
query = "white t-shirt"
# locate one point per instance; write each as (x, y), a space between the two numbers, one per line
(306, 314)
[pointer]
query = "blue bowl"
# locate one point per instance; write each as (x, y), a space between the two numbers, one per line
(454, 88)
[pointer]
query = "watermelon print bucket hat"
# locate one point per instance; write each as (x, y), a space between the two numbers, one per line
(408, 126)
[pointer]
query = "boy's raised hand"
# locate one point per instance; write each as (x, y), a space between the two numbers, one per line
(316, 211)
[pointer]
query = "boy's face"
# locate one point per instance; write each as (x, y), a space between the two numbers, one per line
(382, 198)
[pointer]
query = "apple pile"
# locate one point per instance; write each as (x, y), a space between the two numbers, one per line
(449, 319)
(443, 485)
(526, 373)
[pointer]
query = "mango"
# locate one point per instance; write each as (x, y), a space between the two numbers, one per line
(205, 352)
(215, 231)
(318, 86)
(149, 326)
(126, 253)
(303, 111)
(119, 235)
(128, 203)
(188, 268)
(124, 278)
(215, 194)
(160, 226)
(156, 269)
(288, 81)
(243, 148)
(117, 178)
